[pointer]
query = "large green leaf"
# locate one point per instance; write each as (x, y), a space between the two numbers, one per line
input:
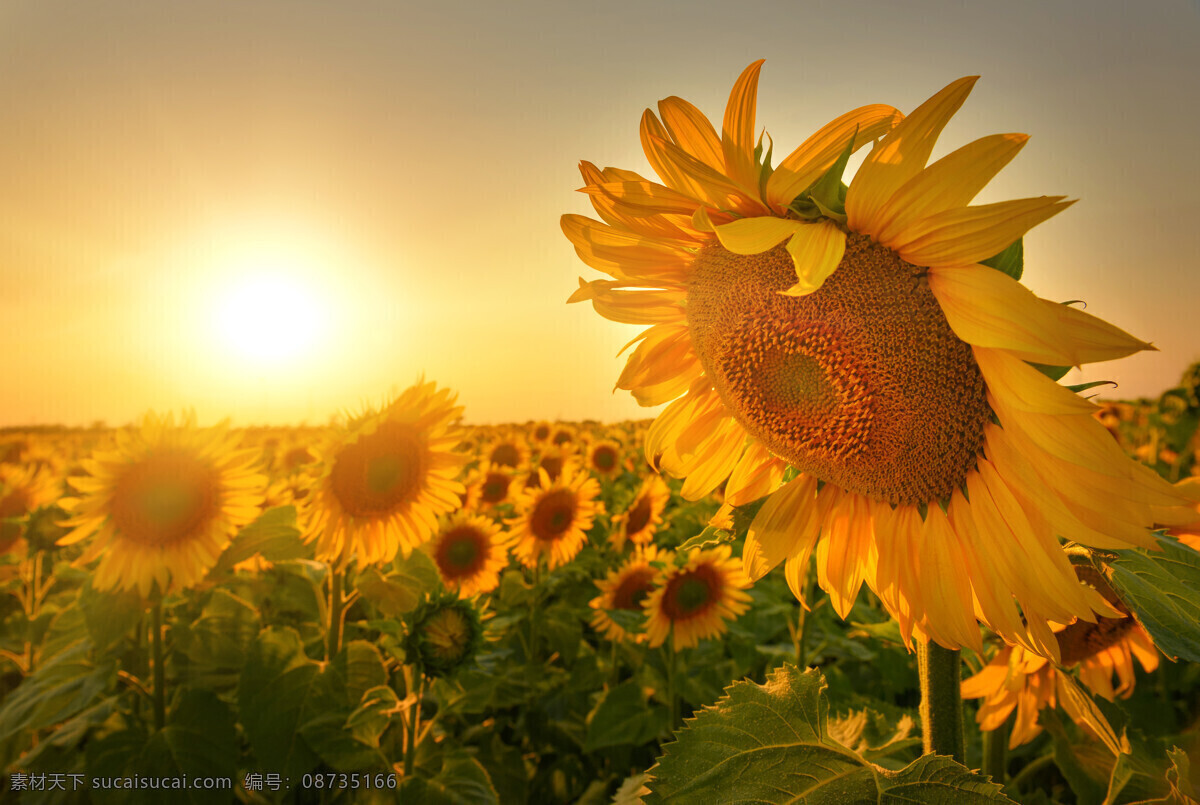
(60, 690)
(623, 717)
(1163, 591)
(447, 777)
(400, 591)
(771, 744)
(216, 645)
(199, 741)
(109, 615)
(273, 535)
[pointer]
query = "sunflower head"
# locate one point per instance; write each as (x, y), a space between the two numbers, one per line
(875, 337)
(626, 590)
(162, 504)
(444, 634)
(554, 518)
(694, 600)
(469, 553)
(604, 458)
(639, 523)
(387, 478)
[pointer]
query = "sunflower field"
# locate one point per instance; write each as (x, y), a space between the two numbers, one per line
(872, 550)
(572, 630)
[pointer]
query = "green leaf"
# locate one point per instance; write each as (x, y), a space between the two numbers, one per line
(359, 666)
(61, 689)
(623, 718)
(873, 735)
(771, 744)
(710, 537)
(400, 591)
(273, 534)
(217, 643)
(1011, 261)
(826, 193)
(1052, 372)
(1162, 589)
(368, 722)
(1078, 387)
(278, 693)
(448, 777)
(199, 740)
(109, 616)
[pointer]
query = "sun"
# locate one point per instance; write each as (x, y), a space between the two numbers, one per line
(270, 314)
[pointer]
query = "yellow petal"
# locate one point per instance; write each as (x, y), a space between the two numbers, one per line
(757, 474)
(951, 182)
(901, 155)
(816, 251)
(945, 585)
(1025, 388)
(616, 301)
(988, 308)
(786, 524)
(967, 235)
(644, 198)
(737, 129)
(842, 555)
(756, 235)
(817, 154)
(691, 131)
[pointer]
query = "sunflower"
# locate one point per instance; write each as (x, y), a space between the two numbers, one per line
(163, 504)
(508, 450)
(494, 486)
(387, 478)
(641, 520)
(444, 634)
(541, 432)
(1018, 680)
(625, 588)
(553, 461)
(555, 518)
(469, 553)
(604, 458)
(693, 602)
(23, 490)
(854, 334)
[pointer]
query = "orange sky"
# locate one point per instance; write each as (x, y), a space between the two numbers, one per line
(393, 179)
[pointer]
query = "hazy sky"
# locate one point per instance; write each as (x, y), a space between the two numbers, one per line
(404, 169)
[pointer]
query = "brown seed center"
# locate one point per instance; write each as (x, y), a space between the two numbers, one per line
(168, 496)
(861, 383)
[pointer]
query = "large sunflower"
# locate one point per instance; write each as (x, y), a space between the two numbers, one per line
(387, 478)
(853, 334)
(163, 504)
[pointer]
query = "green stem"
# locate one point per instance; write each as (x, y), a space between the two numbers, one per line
(160, 676)
(1033, 767)
(414, 713)
(333, 635)
(672, 668)
(941, 701)
(995, 752)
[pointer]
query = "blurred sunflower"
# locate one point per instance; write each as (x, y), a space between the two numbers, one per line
(553, 461)
(387, 478)
(604, 458)
(163, 504)
(540, 433)
(625, 588)
(494, 486)
(693, 602)
(23, 490)
(444, 634)
(554, 518)
(508, 450)
(1019, 680)
(854, 334)
(641, 520)
(470, 552)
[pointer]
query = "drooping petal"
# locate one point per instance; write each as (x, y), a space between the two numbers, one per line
(816, 250)
(786, 525)
(618, 301)
(756, 235)
(758, 473)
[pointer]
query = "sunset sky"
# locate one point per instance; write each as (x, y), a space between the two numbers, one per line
(274, 211)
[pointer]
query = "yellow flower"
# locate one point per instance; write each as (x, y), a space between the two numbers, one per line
(23, 489)
(872, 351)
(625, 588)
(387, 479)
(163, 504)
(470, 552)
(641, 520)
(1018, 680)
(693, 602)
(604, 458)
(509, 451)
(555, 518)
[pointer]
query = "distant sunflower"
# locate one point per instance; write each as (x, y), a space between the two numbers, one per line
(604, 458)
(470, 552)
(494, 486)
(554, 519)
(553, 461)
(1019, 680)
(387, 479)
(23, 490)
(163, 504)
(693, 602)
(854, 334)
(625, 588)
(508, 450)
(541, 432)
(641, 520)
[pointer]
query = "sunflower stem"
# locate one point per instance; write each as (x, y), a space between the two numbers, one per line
(414, 713)
(333, 636)
(672, 668)
(160, 676)
(995, 751)
(941, 701)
